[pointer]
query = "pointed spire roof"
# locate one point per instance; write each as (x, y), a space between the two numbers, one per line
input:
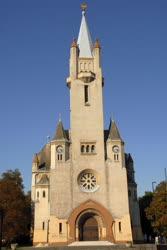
(84, 38)
(113, 131)
(60, 132)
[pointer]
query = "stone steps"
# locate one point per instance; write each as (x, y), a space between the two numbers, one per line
(97, 246)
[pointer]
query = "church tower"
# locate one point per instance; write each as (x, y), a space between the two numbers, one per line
(82, 178)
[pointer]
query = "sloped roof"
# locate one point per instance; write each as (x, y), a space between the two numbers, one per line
(35, 159)
(114, 132)
(60, 132)
(44, 157)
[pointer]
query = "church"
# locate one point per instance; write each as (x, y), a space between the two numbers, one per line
(83, 183)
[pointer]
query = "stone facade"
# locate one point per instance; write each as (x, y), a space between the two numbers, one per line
(83, 184)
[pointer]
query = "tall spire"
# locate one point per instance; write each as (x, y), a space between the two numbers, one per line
(84, 38)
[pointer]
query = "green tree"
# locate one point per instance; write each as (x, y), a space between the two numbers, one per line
(144, 202)
(16, 207)
(157, 211)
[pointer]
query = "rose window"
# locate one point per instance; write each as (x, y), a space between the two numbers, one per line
(88, 181)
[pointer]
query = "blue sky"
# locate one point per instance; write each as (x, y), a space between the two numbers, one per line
(35, 38)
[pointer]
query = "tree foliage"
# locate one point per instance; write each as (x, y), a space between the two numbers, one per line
(16, 207)
(144, 202)
(157, 211)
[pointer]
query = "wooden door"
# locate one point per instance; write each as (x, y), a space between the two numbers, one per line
(90, 229)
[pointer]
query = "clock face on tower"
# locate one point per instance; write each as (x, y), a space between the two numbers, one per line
(59, 149)
(115, 149)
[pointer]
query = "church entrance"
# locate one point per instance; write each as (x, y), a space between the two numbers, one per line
(88, 227)
(90, 221)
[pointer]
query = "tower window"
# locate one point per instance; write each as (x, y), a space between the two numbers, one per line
(60, 228)
(86, 94)
(43, 194)
(43, 225)
(82, 148)
(93, 149)
(59, 157)
(87, 149)
(119, 225)
(116, 157)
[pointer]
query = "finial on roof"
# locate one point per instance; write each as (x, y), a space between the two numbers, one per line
(74, 43)
(97, 44)
(112, 117)
(83, 7)
(59, 117)
(48, 138)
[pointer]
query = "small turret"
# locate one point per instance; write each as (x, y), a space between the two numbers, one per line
(35, 162)
(74, 43)
(115, 145)
(73, 62)
(97, 57)
(59, 146)
(97, 44)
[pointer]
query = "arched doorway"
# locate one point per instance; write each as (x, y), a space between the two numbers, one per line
(80, 216)
(88, 227)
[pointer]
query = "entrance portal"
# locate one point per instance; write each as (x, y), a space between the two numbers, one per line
(88, 228)
(91, 217)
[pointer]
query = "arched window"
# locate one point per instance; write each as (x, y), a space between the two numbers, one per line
(93, 149)
(86, 94)
(87, 149)
(59, 157)
(119, 225)
(116, 157)
(43, 194)
(60, 228)
(82, 149)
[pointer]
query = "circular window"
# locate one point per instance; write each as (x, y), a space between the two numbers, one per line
(88, 181)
